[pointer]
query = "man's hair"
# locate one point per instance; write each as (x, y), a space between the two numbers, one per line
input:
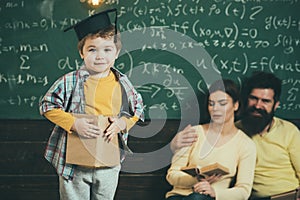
(105, 34)
(263, 80)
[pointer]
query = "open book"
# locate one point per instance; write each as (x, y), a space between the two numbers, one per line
(206, 171)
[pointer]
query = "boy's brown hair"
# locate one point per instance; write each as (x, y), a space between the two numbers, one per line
(107, 33)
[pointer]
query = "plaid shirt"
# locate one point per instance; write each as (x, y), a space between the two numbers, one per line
(67, 93)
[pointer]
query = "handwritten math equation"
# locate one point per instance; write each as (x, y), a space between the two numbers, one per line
(238, 37)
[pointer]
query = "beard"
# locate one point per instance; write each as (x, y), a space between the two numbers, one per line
(253, 124)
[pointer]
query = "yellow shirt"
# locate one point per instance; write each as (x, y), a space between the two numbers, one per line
(103, 96)
(239, 152)
(278, 159)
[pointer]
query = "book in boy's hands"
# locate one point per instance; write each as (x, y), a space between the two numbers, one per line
(93, 152)
(209, 170)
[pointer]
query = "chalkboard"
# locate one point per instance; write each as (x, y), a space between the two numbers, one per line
(172, 50)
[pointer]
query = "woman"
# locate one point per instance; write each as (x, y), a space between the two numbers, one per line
(218, 141)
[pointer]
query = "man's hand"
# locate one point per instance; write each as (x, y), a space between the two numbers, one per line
(117, 125)
(184, 138)
(86, 128)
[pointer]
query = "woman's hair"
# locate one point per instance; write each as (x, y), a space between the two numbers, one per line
(230, 88)
(227, 86)
(105, 34)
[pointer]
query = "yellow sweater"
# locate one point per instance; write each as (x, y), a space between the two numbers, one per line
(278, 159)
(239, 152)
(102, 96)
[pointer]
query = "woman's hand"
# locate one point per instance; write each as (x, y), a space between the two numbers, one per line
(204, 187)
(214, 178)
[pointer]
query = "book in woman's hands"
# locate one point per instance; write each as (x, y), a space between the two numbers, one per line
(209, 170)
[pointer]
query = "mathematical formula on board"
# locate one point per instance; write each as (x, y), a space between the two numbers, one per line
(170, 49)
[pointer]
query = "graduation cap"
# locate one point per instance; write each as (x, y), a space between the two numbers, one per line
(93, 24)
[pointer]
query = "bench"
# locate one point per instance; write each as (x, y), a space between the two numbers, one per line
(26, 175)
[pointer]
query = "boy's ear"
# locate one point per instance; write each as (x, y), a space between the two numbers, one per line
(81, 55)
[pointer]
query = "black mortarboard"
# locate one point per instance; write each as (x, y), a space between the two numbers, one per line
(93, 24)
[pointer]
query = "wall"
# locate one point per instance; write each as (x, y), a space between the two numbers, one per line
(172, 50)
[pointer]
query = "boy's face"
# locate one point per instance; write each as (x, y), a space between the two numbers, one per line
(99, 55)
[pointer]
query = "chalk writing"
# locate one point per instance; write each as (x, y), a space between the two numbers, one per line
(23, 48)
(21, 79)
(209, 38)
(244, 64)
(11, 4)
(43, 24)
(18, 101)
(274, 22)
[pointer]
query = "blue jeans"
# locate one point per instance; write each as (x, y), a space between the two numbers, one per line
(193, 196)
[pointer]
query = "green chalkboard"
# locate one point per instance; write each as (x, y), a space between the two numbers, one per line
(172, 50)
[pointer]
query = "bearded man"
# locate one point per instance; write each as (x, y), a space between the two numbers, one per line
(277, 141)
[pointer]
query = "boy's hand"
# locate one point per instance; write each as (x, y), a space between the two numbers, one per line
(117, 125)
(86, 128)
(184, 138)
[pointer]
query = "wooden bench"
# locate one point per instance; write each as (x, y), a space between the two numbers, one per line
(26, 175)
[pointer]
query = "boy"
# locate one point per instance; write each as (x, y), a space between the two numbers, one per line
(96, 88)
